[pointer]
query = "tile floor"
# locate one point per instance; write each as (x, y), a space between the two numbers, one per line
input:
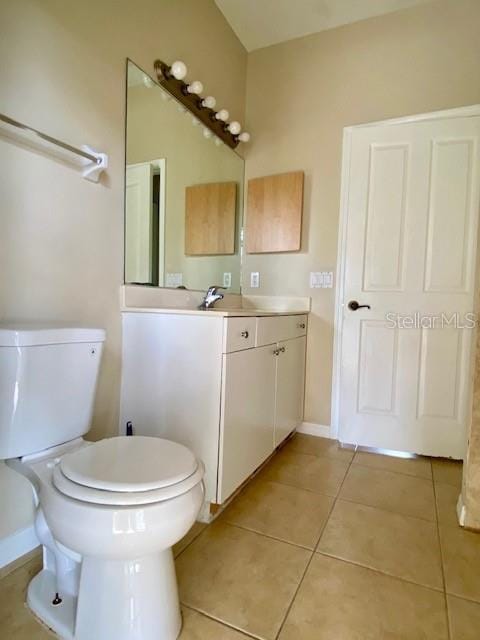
(321, 545)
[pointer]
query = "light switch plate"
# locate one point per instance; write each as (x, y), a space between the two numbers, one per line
(173, 279)
(227, 280)
(254, 279)
(321, 279)
(328, 279)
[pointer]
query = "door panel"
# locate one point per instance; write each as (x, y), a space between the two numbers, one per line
(248, 406)
(438, 395)
(290, 387)
(377, 363)
(410, 253)
(450, 191)
(385, 218)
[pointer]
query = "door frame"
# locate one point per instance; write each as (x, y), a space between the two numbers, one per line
(159, 168)
(459, 112)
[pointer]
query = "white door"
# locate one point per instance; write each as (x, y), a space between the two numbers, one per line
(138, 223)
(248, 405)
(290, 387)
(411, 206)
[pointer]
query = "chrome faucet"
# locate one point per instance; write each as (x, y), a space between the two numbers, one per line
(211, 297)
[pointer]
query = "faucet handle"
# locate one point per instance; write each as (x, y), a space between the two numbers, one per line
(212, 290)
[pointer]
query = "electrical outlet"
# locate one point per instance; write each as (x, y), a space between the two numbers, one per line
(254, 279)
(173, 280)
(227, 280)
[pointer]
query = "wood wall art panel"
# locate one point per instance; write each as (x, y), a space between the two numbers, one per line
(274, 213)
(210, 219)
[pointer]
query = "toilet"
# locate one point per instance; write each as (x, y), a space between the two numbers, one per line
(107, 512)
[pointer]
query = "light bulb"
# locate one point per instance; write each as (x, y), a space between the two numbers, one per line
(195, 87)
(178, 70)
(207, 133)
(209, 102)
(244, 137)
(235, 128)
(222, 115)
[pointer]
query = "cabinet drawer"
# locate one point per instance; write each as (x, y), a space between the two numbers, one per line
(273, 329)
(239, 333)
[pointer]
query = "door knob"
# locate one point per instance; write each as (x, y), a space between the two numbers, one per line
(353, 305)
(244, 334)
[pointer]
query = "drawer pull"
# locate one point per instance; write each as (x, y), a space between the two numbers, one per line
(244, 334)
(301, 325)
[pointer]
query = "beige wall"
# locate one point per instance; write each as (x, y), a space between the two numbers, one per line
(301, 94)
(63, 71)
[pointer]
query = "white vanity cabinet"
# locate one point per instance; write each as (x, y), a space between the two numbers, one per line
(290, 384)
(230, 388)
(247, 415)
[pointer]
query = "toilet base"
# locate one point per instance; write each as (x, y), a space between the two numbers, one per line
(60, 618)
(117, 600)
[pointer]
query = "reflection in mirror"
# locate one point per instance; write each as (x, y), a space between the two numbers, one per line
(183, 195)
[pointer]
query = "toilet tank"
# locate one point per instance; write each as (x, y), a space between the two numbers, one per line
(48, 377)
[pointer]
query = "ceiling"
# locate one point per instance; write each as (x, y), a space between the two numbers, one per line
(260, 23)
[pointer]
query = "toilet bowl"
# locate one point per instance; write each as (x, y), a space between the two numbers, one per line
(109, 512)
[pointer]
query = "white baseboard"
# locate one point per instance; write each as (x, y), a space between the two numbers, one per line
(17, 545)
(313, 429)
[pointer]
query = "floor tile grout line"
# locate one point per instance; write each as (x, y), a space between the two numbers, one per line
(270, 536)
(313, 553)
(439, 590)
(248, 634)
(373, 506)
(447, 613)
(289, 484)
(464, 598)
(400, 473)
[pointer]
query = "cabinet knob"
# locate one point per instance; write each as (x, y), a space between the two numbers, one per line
(276, 352)
(301, 325)
(244, 334)
(282, 349)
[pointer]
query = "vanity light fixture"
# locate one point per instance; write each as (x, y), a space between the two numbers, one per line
(235, 127)
(178, 70)
(208, 102)
(172, 79)
(195, 87)
(222, 115)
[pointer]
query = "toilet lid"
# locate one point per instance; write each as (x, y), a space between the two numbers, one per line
(129, 464)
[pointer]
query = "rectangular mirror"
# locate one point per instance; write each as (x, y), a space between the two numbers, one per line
(183, 195)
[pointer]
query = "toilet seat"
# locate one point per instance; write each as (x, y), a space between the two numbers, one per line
(128, 471)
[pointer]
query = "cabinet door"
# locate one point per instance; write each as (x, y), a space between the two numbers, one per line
(248, 407)
(290, 387)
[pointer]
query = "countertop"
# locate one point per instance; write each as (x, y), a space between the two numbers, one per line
(215, 313)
